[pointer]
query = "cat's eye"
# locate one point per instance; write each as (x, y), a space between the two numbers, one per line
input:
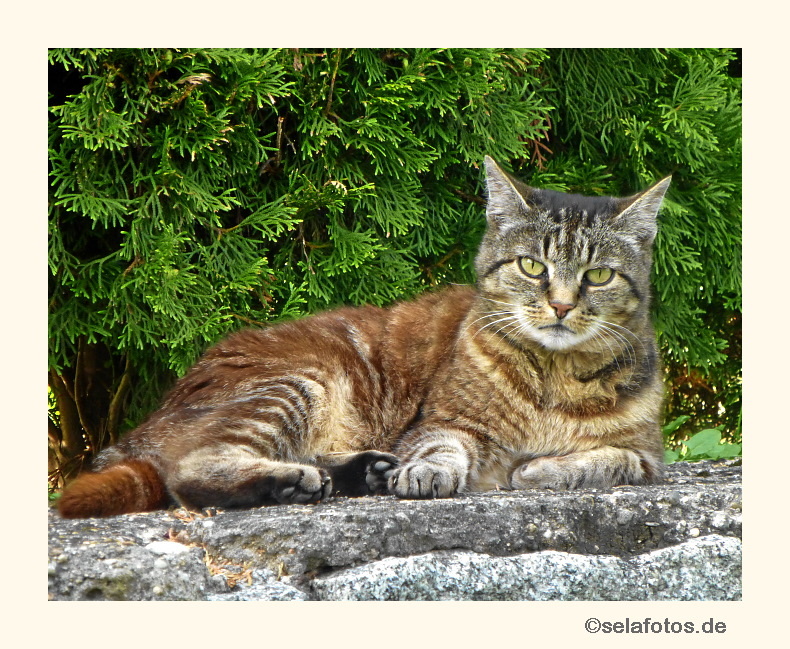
(599, 276)
(530, 267)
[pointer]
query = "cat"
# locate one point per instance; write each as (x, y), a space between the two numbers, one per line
(544, 375)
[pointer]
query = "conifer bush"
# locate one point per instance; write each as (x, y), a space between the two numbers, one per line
(193, 192)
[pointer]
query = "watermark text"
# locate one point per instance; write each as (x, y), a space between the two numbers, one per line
(650, 625)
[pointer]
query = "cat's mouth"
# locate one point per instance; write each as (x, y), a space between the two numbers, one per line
(557, 328)
(555, 335)
(558, 336)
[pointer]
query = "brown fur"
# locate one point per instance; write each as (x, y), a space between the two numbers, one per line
(133, 486)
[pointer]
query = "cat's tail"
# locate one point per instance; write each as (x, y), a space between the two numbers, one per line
(123, 488)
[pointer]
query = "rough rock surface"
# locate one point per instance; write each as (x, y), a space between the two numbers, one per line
(704, 568)
(677, 540)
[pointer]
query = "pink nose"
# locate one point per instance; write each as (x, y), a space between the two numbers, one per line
(561, 309)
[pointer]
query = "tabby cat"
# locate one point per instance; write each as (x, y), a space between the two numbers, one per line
(544, 375)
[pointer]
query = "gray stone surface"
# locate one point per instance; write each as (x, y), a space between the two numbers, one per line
(296, 552)
(706, 568)
(263, 586)
(127, 560)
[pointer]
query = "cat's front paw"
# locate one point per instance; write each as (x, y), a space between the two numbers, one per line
(300, 484)
(425, 480)
(379, 469)
(360, 474)
(541, 473)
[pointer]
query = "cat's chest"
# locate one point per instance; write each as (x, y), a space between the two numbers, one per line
(544, 391)
(570, 391)
(551, 413)
(568, 382)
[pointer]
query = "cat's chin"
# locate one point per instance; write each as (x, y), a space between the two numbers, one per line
(558, 338)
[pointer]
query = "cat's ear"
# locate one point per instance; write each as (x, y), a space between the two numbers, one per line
(638, 213)
(505, 198)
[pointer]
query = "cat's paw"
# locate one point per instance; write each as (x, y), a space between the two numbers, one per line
(360, 474)
(379, 468)
(300, 484)
(541, 473)
(425, 480)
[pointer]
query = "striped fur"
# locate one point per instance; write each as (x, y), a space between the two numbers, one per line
(527, 380)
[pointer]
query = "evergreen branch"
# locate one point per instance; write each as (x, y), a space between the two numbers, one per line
(332, 84)
(135, 263)
(441, 263)
(469, 197)
(249, 320)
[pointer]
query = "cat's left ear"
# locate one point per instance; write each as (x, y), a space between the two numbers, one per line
(505, 200)
(638, 213)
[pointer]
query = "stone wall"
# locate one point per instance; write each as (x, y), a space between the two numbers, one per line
(679, 540)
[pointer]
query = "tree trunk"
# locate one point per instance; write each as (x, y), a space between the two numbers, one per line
(90, 407)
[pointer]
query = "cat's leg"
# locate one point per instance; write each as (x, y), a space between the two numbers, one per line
(435, 463)
(230, 478)
(254, 447)
(597, 468)
(359, 474)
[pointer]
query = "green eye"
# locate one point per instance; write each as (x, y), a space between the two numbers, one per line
(599, 276)
(530, 267)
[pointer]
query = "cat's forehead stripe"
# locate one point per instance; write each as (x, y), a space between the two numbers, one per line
(572, 216)
(567, 242)
(546, 246)
(584, 237)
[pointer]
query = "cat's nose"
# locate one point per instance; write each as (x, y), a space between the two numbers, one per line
(561, 309)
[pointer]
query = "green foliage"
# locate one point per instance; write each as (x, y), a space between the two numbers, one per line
(705, 445)
(195, 191)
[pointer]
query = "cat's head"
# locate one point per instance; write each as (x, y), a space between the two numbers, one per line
(566, 270)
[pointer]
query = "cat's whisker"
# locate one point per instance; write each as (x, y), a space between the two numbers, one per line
(523, 329)
(492, 314)
(610, 329)
(500, 302)
(508, 327)
(625, 346)
(615, 335)
(517, 323)
(511, 313)
(626, 330)
(599, 337)
(623, 343)
(511, 317)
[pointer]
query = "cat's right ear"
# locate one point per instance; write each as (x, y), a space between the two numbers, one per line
(640, 212)
(504, 200)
